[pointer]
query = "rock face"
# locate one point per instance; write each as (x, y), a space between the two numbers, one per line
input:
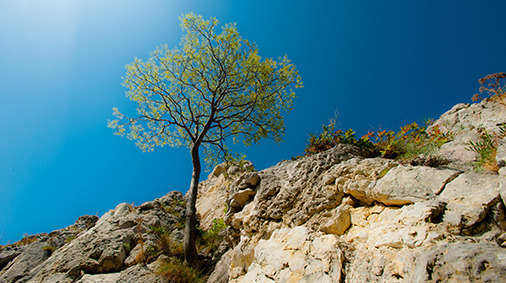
(342, 216)
(337, 216)
(94, 250)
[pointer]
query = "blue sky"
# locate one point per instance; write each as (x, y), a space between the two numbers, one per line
(379, 64)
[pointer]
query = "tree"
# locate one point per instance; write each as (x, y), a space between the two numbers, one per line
(214, 86)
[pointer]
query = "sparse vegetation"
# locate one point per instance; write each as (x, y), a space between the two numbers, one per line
(330, 137)
(211, 239)
(70, 238)
(487, 149)
(493, 85)
(50, 249)
(174, 270)
(408, 143)
(172, 209)
(165, 245)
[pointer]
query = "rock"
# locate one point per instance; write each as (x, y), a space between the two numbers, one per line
(7, 254)
(221, 271)
(465, 209)
(462, 121)
(295, 254)
(338, 222)
(408, 184)
(34, 255)
(338, 216)
(461, 262)
(239, 199)
(135, 257)
(103, 248)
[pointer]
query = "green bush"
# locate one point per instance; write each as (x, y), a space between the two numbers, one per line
(409, 142)
(330, 137)
(212, 238)
(487, 149)
(174, 270)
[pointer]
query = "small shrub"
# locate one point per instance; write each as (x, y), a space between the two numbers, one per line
(487, 149)
(50, 249)
(409, 142)
(211, 239)
(165, 244)
(330, 137)
(70, 238)
(171, 209)
(127, 247)
(26, 240)
(493, 86)
(174, 270)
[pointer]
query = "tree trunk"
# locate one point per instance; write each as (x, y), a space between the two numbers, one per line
(190, 250)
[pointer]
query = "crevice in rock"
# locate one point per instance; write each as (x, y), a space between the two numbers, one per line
(449, 180)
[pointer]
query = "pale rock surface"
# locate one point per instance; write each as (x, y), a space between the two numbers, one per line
(463, 120)
(407, 184)
(466, 209)
(99, 252)
(295, 255)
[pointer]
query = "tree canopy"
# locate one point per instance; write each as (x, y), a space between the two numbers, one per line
(214, 86)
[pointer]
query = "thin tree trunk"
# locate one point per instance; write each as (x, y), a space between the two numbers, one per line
(190, 250)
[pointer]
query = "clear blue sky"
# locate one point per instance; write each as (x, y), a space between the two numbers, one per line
(61, 63)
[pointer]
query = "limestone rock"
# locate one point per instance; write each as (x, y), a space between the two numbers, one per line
(338, 222)
(295, 255)
(465, 209)
(461, 262)
(408, 184)
(463, 120)
(102, 246)
(23, 264)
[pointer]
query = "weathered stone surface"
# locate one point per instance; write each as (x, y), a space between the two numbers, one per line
(337, 216)
(463, 120)
(295, 254)
(7, 254)
(102, 248)
(408, 184)
(23, 264)
(338, 222)
(239, 199)
(469, 197)
(461, 262)
(221, 271)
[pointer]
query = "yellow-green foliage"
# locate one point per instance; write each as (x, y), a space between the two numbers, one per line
(330, 137)
(487, 149)
(215, 85)
(26, 240)
(174, 270)
(410, 141)
(212, 238)
(50, 249)
(165, 244)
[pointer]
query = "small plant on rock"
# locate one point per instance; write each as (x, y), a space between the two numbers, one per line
(487, 149)
(330, 137)
(174, 270)
(211, 239)
(493, 85)
(50, 249)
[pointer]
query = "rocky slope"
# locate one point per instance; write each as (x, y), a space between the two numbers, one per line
(338, 216)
